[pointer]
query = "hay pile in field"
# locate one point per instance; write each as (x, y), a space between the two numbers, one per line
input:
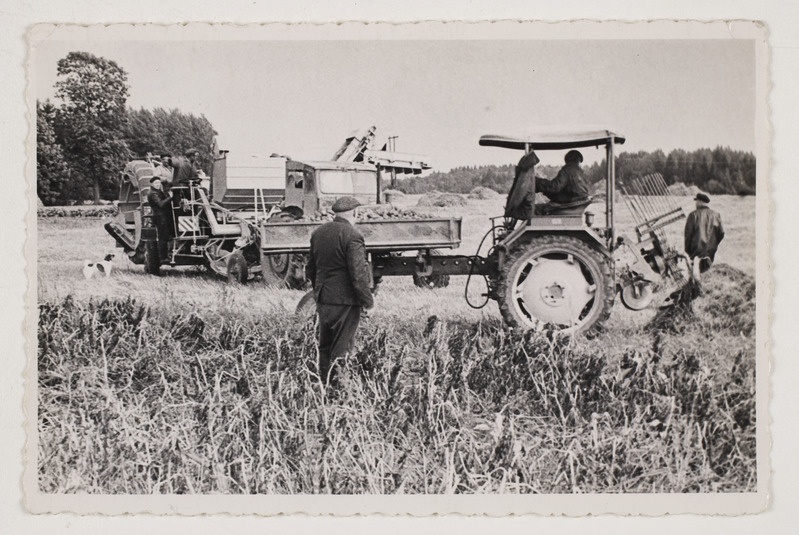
(442, 199)
(483, 194)
(723, 300)
(683, 190)
(394, 192)
(386, 211)
(135, 402)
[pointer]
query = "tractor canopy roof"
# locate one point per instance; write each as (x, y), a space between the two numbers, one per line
(552, 140)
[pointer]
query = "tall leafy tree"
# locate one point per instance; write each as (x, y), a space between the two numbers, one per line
(52, 172)
(171, 130)
(93, 92)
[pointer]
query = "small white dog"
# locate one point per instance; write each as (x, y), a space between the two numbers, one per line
(90, 269)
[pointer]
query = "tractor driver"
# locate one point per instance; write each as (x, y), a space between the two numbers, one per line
(568, 187)
(161, 203)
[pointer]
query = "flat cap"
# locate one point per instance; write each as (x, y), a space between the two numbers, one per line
(154, 178)
(189, 152)
(702, 197)
(345, 204)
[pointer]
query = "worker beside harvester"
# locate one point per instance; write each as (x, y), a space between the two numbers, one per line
(161, 204)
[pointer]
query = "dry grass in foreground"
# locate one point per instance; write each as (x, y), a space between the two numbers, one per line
(140, 400)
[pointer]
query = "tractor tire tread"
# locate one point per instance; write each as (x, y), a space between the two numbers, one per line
(505, 306)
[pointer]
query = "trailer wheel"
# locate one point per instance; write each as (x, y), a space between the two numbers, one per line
(431, 282)
(274, 270)
(237, 271)
(152, 262)
(556, 280)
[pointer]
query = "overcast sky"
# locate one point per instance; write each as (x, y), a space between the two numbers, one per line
(302, 98)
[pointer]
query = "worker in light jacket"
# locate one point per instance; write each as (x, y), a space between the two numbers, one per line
(703, 234)
(339, 273)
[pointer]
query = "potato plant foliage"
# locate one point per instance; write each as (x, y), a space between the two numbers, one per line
(139, 399)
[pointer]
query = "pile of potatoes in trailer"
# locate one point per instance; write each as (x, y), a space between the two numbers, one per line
(371, 214)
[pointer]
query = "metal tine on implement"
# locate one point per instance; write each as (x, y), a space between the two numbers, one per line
(632, 206)
(660, 200)
(651, 195)
(656, 201)
(658, 187)
(650, 211)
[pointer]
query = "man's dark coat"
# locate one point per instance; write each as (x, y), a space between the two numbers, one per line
(337, 266)
(703, 233)
(569, 186)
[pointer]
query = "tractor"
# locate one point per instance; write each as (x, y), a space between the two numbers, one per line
(562, 269)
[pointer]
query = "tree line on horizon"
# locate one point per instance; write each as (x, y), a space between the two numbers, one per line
(719, 171)
(84, 141)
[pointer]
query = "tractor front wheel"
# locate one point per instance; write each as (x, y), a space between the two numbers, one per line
(237, 271)
(556, 280)
(152, 261)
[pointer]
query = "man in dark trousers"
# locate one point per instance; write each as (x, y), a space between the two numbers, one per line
(161, 203)
(339, 273)
(703, 234)
(569, 185)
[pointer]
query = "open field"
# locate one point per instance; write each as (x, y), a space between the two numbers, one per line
(64, 243)
(185, 384)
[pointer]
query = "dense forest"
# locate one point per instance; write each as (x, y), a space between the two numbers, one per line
(716, 171)
(84, 141)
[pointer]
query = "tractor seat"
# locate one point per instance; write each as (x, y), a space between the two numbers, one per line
(574, 208)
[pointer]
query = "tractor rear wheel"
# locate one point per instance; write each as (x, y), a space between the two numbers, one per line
(237, 271)
(152, 261)
(556, 280)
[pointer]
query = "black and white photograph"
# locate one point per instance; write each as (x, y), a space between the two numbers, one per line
(484, 268)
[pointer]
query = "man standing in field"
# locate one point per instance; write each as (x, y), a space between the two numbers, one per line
(161, 203)
(703, 234)
(339, 273)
